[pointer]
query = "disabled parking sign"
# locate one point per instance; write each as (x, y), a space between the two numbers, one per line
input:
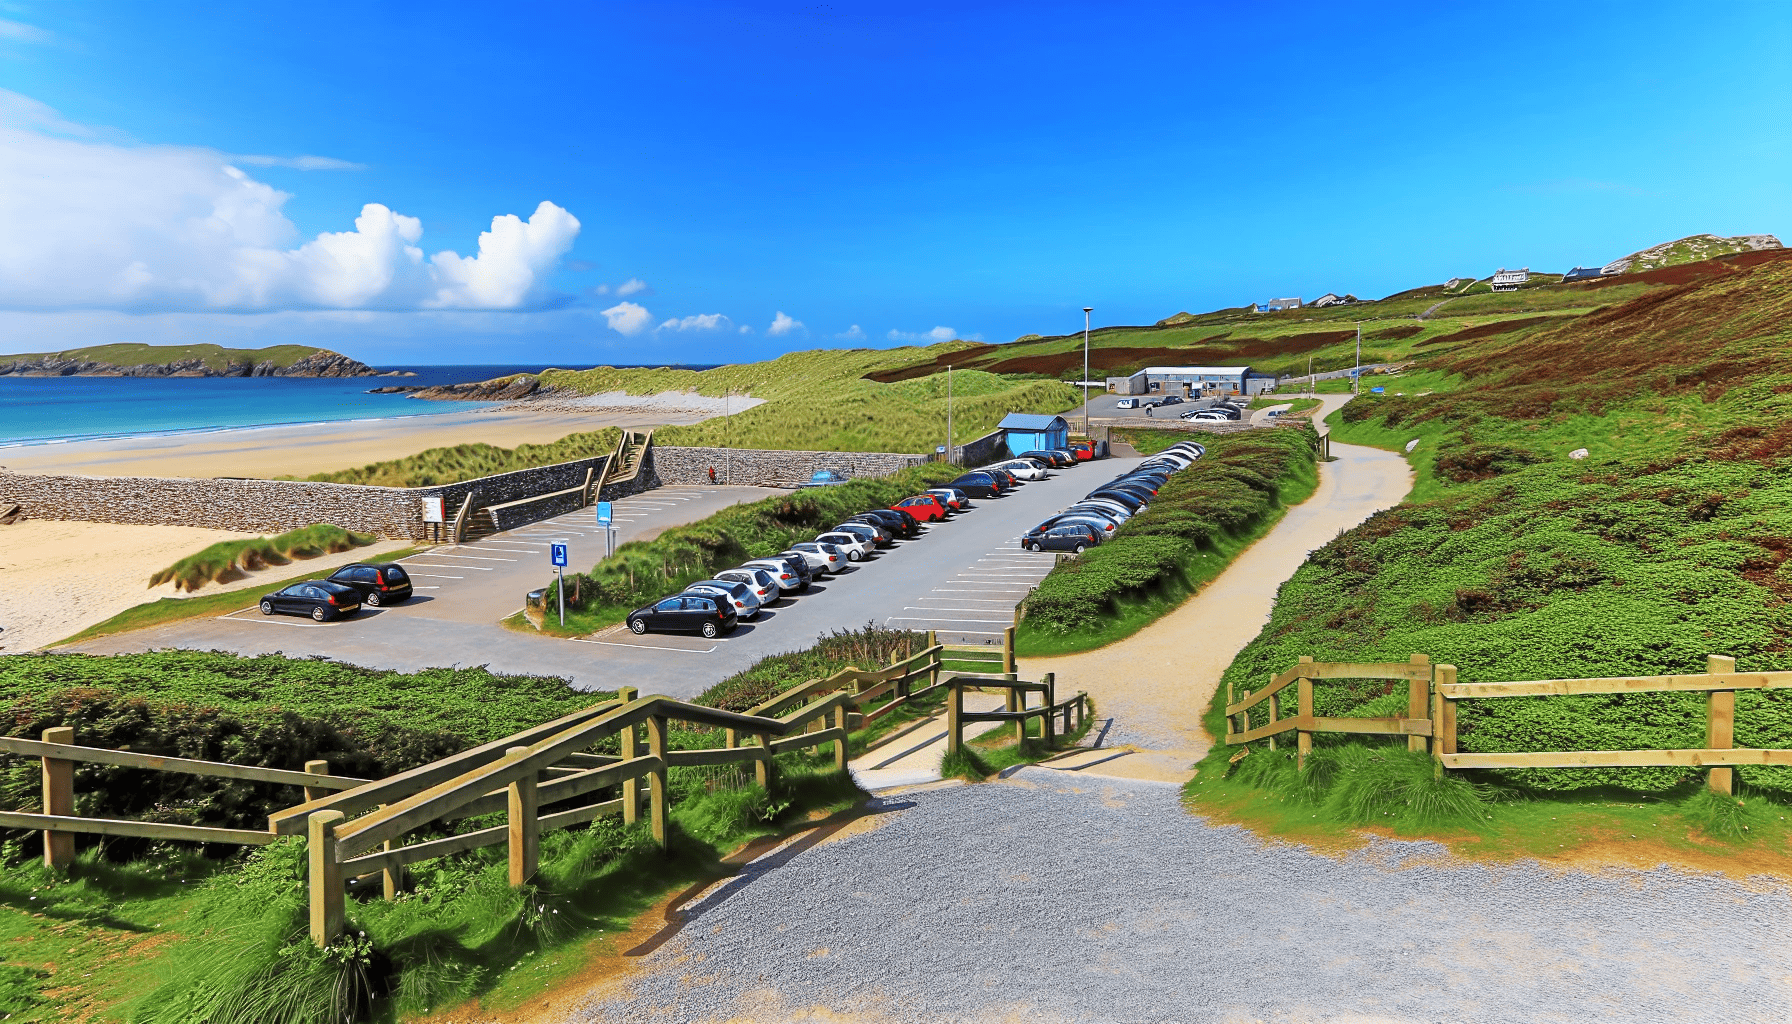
(557, 553)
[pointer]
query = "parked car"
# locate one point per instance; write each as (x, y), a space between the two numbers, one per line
(1056, 460)
(1065, 536)
(791, 574)
(320, 599)
(1106, 506)
(874, 533)
(1023, 469)
(763, 585)
(1132, 501)
(745, 601)
(955, 499)
(686, 613)
(816, 561)
(1069, 455)
(894, 528)
(899, 522)
(1172, 400)
(1127, 403)
(979, 485)
(1083, 450)
(856, 547)
(826, 478)
(1106, 527)
(385, 583)
(1207, 416)
(928, 508)
(1144, 491)
(823, 556)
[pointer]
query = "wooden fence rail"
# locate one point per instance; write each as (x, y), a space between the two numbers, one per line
(1431, 713)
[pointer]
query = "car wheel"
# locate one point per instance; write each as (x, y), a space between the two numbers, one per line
(638, 626)
(318, 614)
(267, 607)
(1079, 549)
(373, 599)
(1034, 546)
(710, 630)
(853, 556)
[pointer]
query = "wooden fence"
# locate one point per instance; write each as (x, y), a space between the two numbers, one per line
(1433, 692)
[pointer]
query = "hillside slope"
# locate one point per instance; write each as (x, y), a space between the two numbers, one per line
(1690, 249)
(132, 360)
(1669, 540)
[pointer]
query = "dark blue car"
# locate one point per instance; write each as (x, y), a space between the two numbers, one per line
(826, 478)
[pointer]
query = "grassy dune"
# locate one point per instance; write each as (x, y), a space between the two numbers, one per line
(1667, 542)
(470, 461)
(226, 559)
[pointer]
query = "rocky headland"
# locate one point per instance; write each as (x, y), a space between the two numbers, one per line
(321, 363)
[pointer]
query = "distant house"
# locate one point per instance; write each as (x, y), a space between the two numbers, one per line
(1508, 280)
(1029, 432)
(1276, 305)
(1332, 299)
(1456, 282)
(1583, 274)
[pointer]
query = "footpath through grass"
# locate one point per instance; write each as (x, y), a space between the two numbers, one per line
(1667, 541)
(1202, 518)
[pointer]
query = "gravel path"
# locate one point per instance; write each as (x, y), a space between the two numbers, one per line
(1054, 897)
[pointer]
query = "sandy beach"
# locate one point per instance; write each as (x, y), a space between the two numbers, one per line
(303, 449)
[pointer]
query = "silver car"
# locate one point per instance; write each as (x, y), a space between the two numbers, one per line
(1022, 469)
(786, 579)
(821, 556)
(764, 587)
(857, 548)
(746, 603)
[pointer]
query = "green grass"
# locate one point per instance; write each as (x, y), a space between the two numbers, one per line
(471, 461)
(228, 559)
(1202, 518)
(998, 749)
(175, 609)
(213, 356)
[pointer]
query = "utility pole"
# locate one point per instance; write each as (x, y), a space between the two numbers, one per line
(1086, 311)
(1356, 383)
(951, 456)
(1309, 375)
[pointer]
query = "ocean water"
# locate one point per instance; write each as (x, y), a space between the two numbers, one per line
(40, 410)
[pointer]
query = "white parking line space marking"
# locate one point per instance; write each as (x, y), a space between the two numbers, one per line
(650, 647)
(273, 622)
(912, 618)
(482, 558)
(425, 588)
(438, 565)
(918, 608)
(437, 576)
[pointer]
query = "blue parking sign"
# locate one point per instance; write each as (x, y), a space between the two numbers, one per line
(558, 553)
(603, 513)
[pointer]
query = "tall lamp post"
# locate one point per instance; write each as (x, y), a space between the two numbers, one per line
(1356, 383)
(1086, 311)
(951, 456)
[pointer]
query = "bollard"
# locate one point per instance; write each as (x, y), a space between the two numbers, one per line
(656, 788)
(525, 824)
(326, 876)
(631, 788)
(59, 799)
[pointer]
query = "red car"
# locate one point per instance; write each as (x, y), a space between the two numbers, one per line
(926, 507)
(1083, 450)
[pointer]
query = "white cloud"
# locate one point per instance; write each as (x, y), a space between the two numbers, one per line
(628, 318)
(18, 31)
(938, 334)
(632, 286)
(782, 324)
(853, 333)
(300, 163)
(699, 322)
(602, 289)
(86, 223)
(746, 328)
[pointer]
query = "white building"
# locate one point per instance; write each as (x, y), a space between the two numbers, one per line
(1508, 280)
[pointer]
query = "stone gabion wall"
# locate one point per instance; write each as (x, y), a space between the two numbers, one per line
(767, 468)
(985, 449)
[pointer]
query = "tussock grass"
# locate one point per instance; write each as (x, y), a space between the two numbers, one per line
(471, 461)
(225, 559)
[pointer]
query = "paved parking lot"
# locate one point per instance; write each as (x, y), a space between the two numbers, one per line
(962, 577)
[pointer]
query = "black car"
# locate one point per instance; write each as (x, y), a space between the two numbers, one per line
(1056, 460)
(1101, 524)
(1171, 400)
(378, 584)
(977, 485)
(1062, 536)
(896, 521)
(1127, 498)
(320, 599)
(685, 613)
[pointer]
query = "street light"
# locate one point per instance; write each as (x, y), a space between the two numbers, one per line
(949, 452)
(1086, 311)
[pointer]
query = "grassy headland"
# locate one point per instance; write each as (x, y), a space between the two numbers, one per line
(212, 357)
(1668, 541)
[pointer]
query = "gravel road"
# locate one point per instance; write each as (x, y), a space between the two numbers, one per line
(1054, 897)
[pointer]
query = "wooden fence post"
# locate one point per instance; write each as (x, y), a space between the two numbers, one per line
(1720, 723)
(525, 825)
(326, 876)
(1047, 726)
(1008, 651)
(1418, 694)
(1443, 729)
(1275, 710)
(59, 799)
(762, 767)
(656, 790)
(1241, 722)
(939, 659)
(316, 768)
(631, 788)
(1303, 742)
(841, 716)
(954, 712)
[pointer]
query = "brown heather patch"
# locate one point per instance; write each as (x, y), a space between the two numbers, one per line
(1487, 330)
(1396, 333)
(1752, 444)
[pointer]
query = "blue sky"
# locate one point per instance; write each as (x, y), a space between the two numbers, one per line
(730, 181)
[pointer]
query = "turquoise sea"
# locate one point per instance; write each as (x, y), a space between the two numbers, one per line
(43, 410)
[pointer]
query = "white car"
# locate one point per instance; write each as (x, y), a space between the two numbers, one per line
(821, 558)
(1022, 469)
(780, 573)
(1127, 403)
(745, 603)
(1206, 416)
(855, 546)
(759, 581)
(955, 499)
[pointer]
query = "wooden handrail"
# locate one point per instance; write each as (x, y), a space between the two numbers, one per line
(1619, 684)
(135, 829)
(183, 765)
(1412, 671)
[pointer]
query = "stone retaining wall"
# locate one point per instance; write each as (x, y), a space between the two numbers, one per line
(761, 468)
(989, 448)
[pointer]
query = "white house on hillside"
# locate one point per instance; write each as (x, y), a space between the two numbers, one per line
(1508, 280)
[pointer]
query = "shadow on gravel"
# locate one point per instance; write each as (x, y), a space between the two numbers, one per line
(749, 863)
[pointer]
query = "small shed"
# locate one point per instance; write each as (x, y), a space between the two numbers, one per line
(1027, 432)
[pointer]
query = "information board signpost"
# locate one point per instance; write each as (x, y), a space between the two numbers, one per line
(605, 519)
(557, 552)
